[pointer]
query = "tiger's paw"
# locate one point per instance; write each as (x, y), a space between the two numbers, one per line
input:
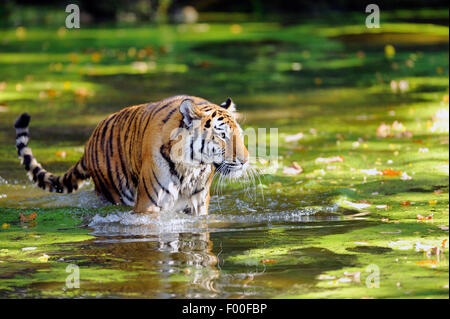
(149, 210)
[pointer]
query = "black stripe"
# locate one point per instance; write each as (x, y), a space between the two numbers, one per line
(56, 184)
(99, 178)
(110, 176)
(22, 121)
(83, 166)
(104, 190)
(148, 193)
(149, 118)
(21, 134)
(105, 129)
(162, 107)
(122, 192)
(130, 122)
(107, 157)
(201, 150)
(197, 191)
(124, 170)
(35, 172)
(135, 180)
(79, 175)
(90, 152)
(27, 161)
(160, 185)
(171, 164)
(169, 115)
(122, 164)
(192, 149)
(203, 146)
(40, 179)
(111, 131)
(67, 181)
(20, 146)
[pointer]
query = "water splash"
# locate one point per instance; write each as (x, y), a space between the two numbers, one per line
(130, 224)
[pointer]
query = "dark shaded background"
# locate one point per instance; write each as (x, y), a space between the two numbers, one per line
(108, 10)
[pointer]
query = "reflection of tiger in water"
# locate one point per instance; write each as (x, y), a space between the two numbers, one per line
(131, 160)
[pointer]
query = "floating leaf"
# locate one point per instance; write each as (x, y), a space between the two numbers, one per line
(235, 28)
(27, 218)
(294, 138)
(391, 172)
(96, 57)
(267, 261)
(427, 262)
(21, 32)
(326, 277)
(389, 51)
(43, 258)
(405, 177)
(294, 169)
(328, 160)
(372, 171)
(420, 217)
(61, 154)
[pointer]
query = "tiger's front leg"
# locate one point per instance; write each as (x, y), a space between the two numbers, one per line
(200, 199)
(156, 190)
(203, 206)
(147, 200)
(196, 207)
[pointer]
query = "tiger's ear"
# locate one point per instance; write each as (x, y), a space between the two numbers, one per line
(190, 111)
(229, 105)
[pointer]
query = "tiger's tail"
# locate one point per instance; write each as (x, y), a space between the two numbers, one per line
(66, 183)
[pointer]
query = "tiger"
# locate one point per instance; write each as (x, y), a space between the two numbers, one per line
(157, 157)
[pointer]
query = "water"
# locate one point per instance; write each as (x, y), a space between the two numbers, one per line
(296, 241)
(175, 255)
(200, 251)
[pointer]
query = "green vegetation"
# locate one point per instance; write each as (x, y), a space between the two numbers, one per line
(337, 84)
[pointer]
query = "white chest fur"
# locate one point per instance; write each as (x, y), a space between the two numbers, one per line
(192, 191)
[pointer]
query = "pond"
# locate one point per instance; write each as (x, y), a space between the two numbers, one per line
(367, 216)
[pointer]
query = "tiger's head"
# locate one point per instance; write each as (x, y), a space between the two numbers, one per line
(212, 136)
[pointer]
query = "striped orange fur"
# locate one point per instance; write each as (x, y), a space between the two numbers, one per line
(131, 160)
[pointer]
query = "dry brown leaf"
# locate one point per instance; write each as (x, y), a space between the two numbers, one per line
(27, 218)
(420, 217)
(267, 261)
(405, 203)
(391, 172)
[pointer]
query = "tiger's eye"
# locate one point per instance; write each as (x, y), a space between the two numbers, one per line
(223, 135)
